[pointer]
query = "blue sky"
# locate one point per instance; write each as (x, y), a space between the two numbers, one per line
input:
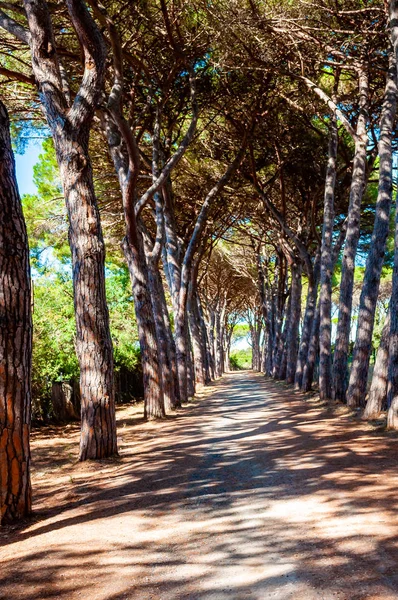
(24, 165)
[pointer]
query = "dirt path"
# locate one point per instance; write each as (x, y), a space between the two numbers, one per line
(252, 494)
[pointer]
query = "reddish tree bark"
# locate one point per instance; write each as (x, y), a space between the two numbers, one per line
(15, 341)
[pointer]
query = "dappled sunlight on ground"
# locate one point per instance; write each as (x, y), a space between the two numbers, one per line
(249, 492)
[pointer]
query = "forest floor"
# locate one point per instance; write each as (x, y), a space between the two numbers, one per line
(250, 492)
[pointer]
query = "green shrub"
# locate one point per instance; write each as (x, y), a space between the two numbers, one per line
(241, 359)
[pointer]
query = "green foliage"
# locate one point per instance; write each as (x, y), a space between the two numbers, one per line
(45, 212)
(241, 359)
(22, 133)
(122, 318)
(241, 332)
(54, 357)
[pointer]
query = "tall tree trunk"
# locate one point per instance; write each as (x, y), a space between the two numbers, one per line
(279, 308)
(278, 369)
(212, 322)
(15, 341)
(219, 345)
(199, 351)
(392, 398)
(93, 339)
(282, 358)
(191, 387)
(292, 340)
(181, 351)
(134, 252)
(325, 324)
(340, 363)
(170, 341)
(153, 391)
(164, 350)
(270, 335)
(309, 316)
(313, 348)
(378, 389)
(70, 128)
(370, 289)
(205, 341)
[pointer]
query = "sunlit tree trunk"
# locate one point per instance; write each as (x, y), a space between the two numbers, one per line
(282, 356)
(378, 388)
(325, 324)
(134, 252)
(191, 383)
(313, 349)
(163, 346)
(170, 342)
(292, 339)
(205, 342)
(392, 398)
(15, 341)
(277, 368)
(153, 391)
(309, 316)
(70, 128)
(340, 366)
(198, 346)
(279, 314)
(219, 343)
(370, 290)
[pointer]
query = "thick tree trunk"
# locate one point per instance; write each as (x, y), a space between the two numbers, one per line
(292, 340)
(325, 324)
(191, 387)
(170, 341)
(309, 316)
(256, 336)
(164, 350)
(205, 341)
(340, 363)
(279, 308)
(93, 339)
(378, 389)
(219, 345)
(313, 348)
(70, 128)
(181, 354)
(265, 354)
(133, 247)
(15, 341)
(282, 358)
(392, 398)
(212, 321)
(279, 369)
(153, 392)
(270, 336)
(199, 351)
(370, 290)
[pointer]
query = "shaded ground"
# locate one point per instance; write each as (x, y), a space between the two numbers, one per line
(252, 494)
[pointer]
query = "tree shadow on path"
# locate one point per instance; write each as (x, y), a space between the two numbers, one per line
(251, 493)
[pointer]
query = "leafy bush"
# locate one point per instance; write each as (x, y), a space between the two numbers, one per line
(241, 359)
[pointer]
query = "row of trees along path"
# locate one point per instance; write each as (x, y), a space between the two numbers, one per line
(246, 159)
